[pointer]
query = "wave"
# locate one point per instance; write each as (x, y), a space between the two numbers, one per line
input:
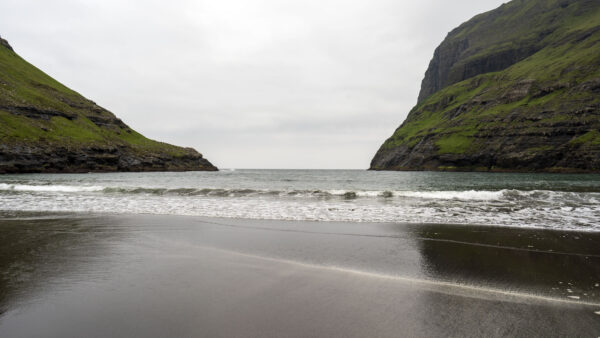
(466, 195)
(346, 194)
(509, 207)
(479, 195)
(49, 188)
(556, 214)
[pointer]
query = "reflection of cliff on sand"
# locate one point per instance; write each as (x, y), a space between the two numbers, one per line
(547, 262)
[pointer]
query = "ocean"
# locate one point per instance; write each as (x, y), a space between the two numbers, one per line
(550, 201)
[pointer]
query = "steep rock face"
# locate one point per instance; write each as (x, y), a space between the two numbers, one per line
(46, 127)
(513, 89)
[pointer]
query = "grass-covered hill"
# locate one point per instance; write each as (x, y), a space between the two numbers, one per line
(513, 89)
(47, 127)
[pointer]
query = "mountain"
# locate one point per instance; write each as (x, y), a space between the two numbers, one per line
(513, 89)
(47, 127)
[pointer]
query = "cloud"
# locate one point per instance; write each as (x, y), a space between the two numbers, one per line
(249, 83)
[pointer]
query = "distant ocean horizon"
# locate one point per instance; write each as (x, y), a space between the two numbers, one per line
(551, 201)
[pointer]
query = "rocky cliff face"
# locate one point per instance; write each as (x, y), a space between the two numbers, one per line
(46, 127)
(513, 89)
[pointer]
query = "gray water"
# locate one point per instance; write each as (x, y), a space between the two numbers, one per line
(555, 201)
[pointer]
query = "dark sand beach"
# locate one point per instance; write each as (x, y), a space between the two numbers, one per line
(74, 275)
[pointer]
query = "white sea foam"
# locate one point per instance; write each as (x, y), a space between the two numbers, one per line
(336, 209)
(481, 195)
(49, 188)
(469, 195)
(361, 197)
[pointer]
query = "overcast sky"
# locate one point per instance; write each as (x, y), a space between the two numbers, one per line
(248, 83)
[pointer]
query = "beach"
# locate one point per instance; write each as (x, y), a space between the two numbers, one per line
(267, 169)
(98, 275)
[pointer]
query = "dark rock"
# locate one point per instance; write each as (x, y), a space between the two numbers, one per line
(5, 44)
(27, 159)
(37, 113)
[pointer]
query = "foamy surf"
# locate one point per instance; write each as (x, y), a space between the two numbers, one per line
(184, 191)
(471, 195)
(544, 201)
(49, 188)
(476, 195)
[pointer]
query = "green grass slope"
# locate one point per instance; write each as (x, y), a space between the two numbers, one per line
(39, 115)
(539, 111)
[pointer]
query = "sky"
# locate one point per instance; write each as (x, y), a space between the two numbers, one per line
(248, 83)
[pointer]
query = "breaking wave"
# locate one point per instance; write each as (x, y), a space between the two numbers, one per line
(565, 203)
(49, 188)
(469, 195)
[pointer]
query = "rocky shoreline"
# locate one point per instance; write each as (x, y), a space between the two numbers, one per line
(60, 159)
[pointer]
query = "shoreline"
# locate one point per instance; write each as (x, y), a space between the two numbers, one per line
(208, 218)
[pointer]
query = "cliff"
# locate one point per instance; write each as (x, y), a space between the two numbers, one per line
(513, 89)
(47, 127)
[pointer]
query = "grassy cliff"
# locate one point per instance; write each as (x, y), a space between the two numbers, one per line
(513, 89)
(47, 127)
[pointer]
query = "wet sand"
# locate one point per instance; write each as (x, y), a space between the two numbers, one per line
(156, 276)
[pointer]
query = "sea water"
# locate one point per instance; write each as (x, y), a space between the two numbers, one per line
(556, 201)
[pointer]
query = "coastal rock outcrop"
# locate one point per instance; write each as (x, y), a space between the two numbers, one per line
(47, 127)
(513, 89)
